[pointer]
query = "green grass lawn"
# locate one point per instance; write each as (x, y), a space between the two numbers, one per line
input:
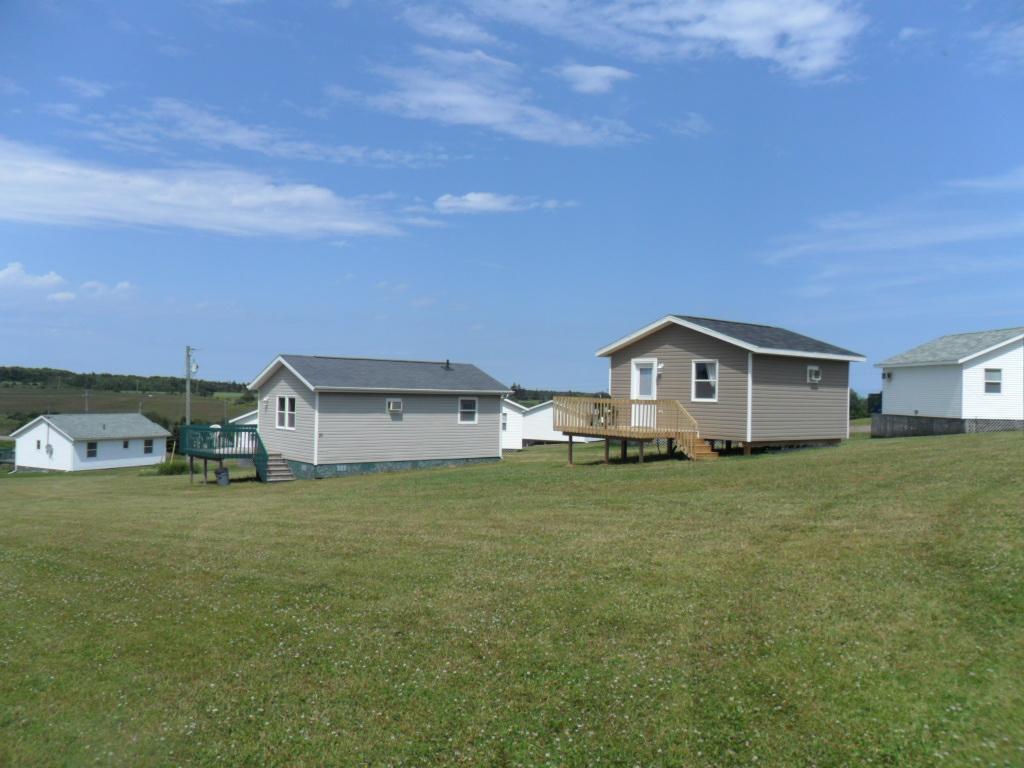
(860, 605)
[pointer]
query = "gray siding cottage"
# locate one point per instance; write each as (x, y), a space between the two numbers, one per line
(331, 416)
(696, 380)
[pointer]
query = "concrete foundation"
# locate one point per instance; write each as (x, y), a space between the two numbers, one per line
(304, 471)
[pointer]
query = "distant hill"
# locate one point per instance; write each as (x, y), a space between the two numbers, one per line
(530, 397)
(16, 376)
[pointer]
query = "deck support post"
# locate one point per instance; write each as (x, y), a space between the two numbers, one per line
(570, 450)
(623, 447)
(641, 447)
(746, 449)
(671, 446)
(191, 469)
(206, 475)
(607, 445)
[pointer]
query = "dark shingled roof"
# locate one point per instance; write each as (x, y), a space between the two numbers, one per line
(768, 336)
(953, 348)
(106, 426)
(357, 373)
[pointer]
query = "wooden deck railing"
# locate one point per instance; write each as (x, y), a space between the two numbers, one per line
(629, 419)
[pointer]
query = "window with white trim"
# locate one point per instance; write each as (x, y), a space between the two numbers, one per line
(993, 381)
(147, 446)
(90, 450)
(644, 380)
(286, 413)
(468, 407)
(814, 374)
(504, 422)
(705, 381)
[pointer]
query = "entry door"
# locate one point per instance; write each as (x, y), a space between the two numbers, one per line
(644, 386)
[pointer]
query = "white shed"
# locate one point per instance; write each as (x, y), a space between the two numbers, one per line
(252, 418)
(511, 425)
(973, 378)
(69, 442)
(539, 426)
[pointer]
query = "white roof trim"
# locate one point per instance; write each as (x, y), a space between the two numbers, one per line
(993, 348)
(514, 404)
(410, 391)
(539, 405)
(960, 361)
(672, 319)
(244, 416)
(53, 426)
(269, 370)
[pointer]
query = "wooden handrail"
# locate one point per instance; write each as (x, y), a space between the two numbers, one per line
(625, 418)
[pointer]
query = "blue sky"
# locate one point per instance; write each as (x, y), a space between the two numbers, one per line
(513, 184)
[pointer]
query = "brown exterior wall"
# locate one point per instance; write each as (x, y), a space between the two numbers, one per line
(676, 347)
(786, 407)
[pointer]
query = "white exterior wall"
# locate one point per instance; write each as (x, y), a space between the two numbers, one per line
(27, 455)
(111, 454)
(924, 390)
(512, 435)
(1008, 404)
(539, 426)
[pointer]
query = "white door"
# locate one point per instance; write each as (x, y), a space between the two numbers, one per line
(644, 386)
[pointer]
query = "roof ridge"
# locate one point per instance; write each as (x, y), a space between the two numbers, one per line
(377, 359)
(737, 322)
(975, 333)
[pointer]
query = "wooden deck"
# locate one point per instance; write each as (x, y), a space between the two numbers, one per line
(625, 420)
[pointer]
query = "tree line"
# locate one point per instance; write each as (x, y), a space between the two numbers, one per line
(55, 378)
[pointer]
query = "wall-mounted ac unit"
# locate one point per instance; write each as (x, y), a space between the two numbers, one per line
(394, 406)
(813, 374)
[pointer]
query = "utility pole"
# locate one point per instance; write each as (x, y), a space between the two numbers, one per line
(86, 396)
(188, 385)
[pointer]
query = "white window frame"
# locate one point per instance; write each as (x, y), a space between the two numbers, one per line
(279, 411)
(811, 379)
(998, 383)
(634, 378)
(95, 451)
(387, 406)
(693, 381)
(147, 446)
(459, 409)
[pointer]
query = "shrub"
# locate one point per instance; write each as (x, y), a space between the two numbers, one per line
(172, 467)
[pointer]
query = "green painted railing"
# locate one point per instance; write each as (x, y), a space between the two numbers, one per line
(6, 455)
(230, 442)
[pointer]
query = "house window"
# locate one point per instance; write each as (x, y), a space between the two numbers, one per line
(39, 445)
(705, 381)
(814, 374)
(90, 450)
(467, 410)
(504, 422)
(286, 413)
(124, 444)
(993, 381)
(147, 446)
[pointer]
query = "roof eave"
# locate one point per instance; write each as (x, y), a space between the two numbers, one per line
(267, 372)
(993, 348)
(410, 390)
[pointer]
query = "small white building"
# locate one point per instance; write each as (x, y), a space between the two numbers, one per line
(69, 442)
(539, 426)
(976, 379)
(250, 419)
(511, 425)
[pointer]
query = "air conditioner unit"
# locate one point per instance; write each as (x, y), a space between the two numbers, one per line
(813, 374)
(394, 406)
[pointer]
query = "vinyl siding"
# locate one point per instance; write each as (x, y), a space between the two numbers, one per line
(1008, 404)
(356, 428)
(27, 455)
(111, 454)
(295, 444)
(512, 437)
(539, 426)
(677, 347)
(786, 407)
(927, 390)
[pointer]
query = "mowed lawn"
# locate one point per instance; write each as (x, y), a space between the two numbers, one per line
(861, 605)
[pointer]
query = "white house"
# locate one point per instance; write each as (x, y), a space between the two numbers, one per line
(974, 379)
(539, 426)
(69, 442)
(511, 425)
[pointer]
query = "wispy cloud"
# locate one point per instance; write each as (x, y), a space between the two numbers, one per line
(592, 79)
(805, 38)
(456, 27)
(14, 275)
(98, 289)
(1006, 182)
(166, 119)
(39, 186)
(61, 296)
(692, 125)
(9, 87)
(908, 34)
(1003, 45)
(490, 202)
(85, 89)
(475, 89)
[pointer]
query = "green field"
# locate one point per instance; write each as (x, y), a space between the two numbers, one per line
(860, 605)
(170, 405)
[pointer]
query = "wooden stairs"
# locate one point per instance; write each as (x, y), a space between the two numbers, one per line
(701, 451)
(278, 470)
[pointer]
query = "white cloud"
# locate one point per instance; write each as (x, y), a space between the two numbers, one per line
(490, 202)
(85, 89)
(692, 125)
(475, 89)
(97, 289)
(806, 38)
(592, 79)
(15, 276)
(39, 186)
(61, 296)
(1009, 181)
(451, 26)
(1003, 45)
(167, 119)
(907, 34)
